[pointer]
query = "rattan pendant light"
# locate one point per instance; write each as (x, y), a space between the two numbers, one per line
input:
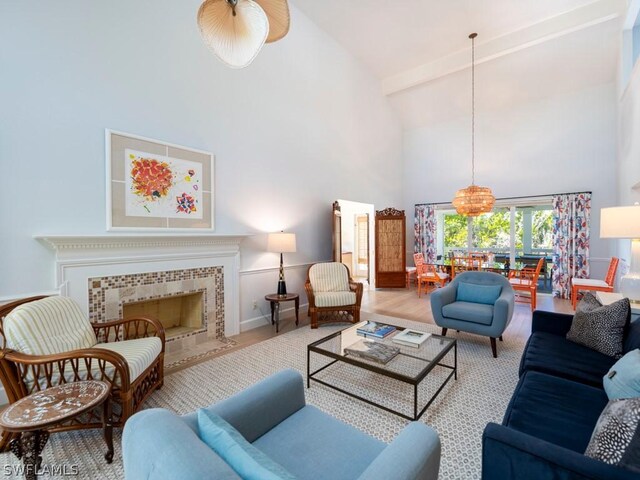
(473, 200)
(236, 30)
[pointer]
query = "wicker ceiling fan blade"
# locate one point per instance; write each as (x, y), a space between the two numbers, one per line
(234, 39)
(279, 19)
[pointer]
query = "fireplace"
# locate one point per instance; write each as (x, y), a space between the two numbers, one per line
(179, 314)
(110, 273)
(188, 302)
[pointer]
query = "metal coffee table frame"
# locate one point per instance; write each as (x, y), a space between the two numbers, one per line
(415, 381)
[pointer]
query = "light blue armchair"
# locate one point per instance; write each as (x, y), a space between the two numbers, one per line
(475, 302)
(272, 415)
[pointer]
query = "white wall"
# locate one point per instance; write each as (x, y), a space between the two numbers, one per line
(303, 125)
(628, 143)
(565, 143)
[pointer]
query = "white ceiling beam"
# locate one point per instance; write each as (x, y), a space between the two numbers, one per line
(594, 13)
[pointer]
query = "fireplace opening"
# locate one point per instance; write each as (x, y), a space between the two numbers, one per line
(179, 314)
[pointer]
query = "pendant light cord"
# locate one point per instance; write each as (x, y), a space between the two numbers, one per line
(473, 107)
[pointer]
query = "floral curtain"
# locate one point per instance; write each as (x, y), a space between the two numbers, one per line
(571, 222)
(424, 226)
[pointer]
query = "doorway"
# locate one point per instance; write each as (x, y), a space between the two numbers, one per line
(354, 238)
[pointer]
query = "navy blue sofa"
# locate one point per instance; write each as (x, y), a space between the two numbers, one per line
(554, 409)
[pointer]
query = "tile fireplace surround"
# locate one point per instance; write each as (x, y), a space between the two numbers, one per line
(103, 272)
(109, 295)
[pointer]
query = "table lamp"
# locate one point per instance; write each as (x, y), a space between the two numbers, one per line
(624, 222)
(281, 243)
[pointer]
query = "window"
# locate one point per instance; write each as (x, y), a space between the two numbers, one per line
(492, 232)
(455, 231)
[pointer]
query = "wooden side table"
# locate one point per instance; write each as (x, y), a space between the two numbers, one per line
(32, 415)
(274, 299)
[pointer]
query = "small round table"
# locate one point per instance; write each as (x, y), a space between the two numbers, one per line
(32, 415)
(274, 299)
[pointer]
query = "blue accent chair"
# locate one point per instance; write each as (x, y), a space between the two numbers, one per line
(475, 302)
(272, 415)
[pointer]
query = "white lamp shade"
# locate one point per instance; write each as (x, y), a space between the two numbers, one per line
(281, 242)
(620, 222)
(234, 39)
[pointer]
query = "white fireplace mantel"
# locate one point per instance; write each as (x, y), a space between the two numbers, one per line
(80, 257)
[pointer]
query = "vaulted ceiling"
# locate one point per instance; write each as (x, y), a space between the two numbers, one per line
(420, 51)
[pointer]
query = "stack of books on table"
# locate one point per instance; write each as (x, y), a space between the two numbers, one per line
(370, 350)
(377, 330)
(411, 338)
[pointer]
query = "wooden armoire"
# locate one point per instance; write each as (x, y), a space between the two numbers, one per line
(390, 248)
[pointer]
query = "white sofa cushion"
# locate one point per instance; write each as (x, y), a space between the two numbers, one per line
(139, 353)
(48, 326)
(335, 299)
(329, 277)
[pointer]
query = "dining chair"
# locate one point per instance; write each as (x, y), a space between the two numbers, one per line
(418, 259)
(605, 285)
(428, 273)
(526, 280)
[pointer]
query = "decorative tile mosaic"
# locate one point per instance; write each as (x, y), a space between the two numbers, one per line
(107, 295)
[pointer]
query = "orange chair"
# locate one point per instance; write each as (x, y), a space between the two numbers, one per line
(418, 259)
(463, 264)
(605, 285)
(427, 273)
(526, 280)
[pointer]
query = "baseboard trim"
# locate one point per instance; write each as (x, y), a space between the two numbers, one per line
(255, 322)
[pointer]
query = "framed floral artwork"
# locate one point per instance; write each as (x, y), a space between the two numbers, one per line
(155, 185)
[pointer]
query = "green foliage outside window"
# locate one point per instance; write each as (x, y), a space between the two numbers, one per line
(542, 229)
(493, 230)
(455, 231)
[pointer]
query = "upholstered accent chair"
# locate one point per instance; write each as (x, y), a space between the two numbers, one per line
(525, 280)
(330, 290)
(475, 302)
(593, 284)
(48, 341)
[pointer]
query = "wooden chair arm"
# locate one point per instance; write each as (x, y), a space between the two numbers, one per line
(358, 288)
(310, 296)
(73, 358)
(129, 329)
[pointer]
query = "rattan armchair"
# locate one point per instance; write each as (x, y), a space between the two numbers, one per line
(140, 339)
(331, 290)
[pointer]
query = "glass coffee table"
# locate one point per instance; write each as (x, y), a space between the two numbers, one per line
(411, 366)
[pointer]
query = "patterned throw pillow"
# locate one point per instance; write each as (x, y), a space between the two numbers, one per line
(600, 327)
(616, 438)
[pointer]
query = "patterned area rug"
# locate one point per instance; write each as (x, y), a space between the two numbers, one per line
(459, 414)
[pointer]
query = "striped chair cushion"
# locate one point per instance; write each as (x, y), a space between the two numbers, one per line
(139, 353)
(335, 299)
(48, 326)
(329, 277)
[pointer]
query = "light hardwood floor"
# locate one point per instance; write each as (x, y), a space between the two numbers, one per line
(403, 303)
